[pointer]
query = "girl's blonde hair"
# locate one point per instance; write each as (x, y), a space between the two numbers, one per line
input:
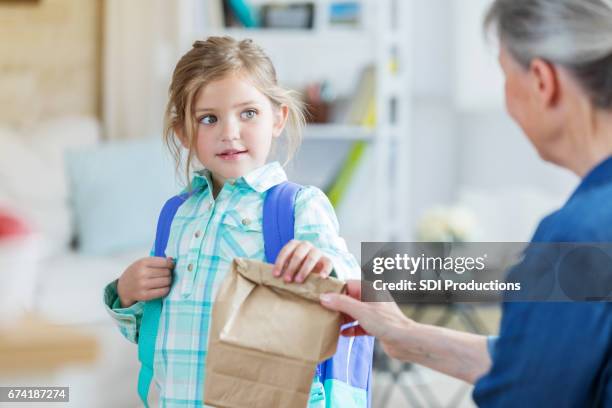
(215, 59)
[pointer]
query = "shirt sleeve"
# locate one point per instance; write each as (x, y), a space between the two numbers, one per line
(491, 342)
(316, 222)
(127, 318)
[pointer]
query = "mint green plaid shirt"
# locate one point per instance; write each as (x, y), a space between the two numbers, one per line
(205, 236)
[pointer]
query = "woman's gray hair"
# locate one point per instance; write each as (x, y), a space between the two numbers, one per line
(576, 34)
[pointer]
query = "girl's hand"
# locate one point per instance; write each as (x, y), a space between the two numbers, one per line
(147, 278)
(299, 259)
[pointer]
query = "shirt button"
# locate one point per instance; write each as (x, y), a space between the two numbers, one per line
(210, 204)
(190, 267)
(198, 234)
(232, 181)
(246, 221)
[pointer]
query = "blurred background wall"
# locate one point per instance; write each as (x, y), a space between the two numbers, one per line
(50, 61)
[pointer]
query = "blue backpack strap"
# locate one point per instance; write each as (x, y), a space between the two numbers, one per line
(347, 376)
(278, 218)
(152, 309)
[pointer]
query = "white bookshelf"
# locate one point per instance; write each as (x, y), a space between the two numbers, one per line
(338, 54)
(338, 132)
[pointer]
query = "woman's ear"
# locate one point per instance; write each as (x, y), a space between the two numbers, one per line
(280, 120)
(545, 82)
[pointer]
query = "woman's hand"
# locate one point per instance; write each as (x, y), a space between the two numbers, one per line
(147, 278)
(458, 354)
(383, 320)
(298, 259)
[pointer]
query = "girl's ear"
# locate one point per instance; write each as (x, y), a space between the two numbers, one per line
(178, 130)
(280, 120)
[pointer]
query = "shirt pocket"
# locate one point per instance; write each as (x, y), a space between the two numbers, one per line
(241, 235)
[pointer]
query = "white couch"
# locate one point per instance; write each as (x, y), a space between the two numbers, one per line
(33, 184)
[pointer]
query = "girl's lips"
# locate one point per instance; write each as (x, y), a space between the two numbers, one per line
(232, 154)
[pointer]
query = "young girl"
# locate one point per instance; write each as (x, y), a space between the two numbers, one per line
(226, 109)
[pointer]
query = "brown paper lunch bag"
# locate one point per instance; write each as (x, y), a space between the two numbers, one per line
(266, 338)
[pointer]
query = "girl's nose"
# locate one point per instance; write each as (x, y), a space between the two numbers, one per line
(230, 131)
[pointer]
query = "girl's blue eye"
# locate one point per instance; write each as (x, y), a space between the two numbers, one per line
(248, 114)
(208, 119)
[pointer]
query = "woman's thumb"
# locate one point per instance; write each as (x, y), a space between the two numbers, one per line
(342, 303)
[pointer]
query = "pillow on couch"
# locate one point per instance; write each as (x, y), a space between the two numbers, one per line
(33, 179)
(117, 191)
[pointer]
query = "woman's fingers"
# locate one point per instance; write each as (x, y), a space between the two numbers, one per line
(343, 303)
(379, 319)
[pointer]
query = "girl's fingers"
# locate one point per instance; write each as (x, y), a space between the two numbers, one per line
(310, 261)
(157, 283)
(153, 273)
(296, 260)
(157, 293)
(159, 262)
(324, 267)
(283, 256)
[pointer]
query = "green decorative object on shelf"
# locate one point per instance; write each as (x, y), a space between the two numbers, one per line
(341, 183)
(362, 113)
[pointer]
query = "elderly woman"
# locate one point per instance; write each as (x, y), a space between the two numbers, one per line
(556, 56)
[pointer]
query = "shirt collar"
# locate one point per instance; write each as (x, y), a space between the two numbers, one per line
(600, 174)
(261, 179)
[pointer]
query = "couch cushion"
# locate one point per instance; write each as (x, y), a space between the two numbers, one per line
(32, 175)
(117, 191)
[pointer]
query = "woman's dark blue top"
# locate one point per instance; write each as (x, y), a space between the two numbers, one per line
(559, 354)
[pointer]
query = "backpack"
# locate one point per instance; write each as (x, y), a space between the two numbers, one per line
(341, 381)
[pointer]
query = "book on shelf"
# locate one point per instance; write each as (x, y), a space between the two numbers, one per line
(288, 16)
(345, 13)
(239, 13)
(271, 14)
(362, 112)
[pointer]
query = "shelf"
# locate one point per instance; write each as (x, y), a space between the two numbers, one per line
(335, 132)
(335, 36)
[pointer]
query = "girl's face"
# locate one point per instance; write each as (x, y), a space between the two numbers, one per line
(236, 124)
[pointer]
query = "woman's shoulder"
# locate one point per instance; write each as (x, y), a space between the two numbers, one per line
(586, 217)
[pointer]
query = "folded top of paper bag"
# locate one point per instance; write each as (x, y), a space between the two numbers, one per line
(314, 285)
